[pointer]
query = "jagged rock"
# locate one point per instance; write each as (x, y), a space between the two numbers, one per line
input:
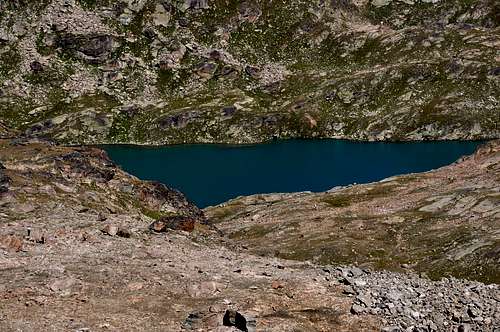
(178, 121)
(207, 70)
(161, 17)
(248, 12)
(91, 48)
(182, 223)
(226, 72)
(125, 233)
(37, 236)
(157, 196)
(381, 3)
(253, 72)
(357, 309)
(198, 4)
(110, 230)
(80, 165)
(192, 320)
(63, 286)
(228, 111)
(4, 180)
(113, 230)
(36, 67)
(464, 328)
(391, 329)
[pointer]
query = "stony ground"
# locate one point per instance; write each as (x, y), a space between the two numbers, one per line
(179, 71)
(78, 253)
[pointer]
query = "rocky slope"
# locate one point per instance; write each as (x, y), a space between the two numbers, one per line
(83, 248)
(173, 71)
(444, 222)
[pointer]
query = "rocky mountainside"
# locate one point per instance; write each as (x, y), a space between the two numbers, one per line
(87, 247)
(177, 71)
(443, 223)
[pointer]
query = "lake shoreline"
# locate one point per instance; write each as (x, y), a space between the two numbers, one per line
(281, 166)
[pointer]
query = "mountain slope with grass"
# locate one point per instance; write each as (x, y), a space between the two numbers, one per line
(183, 71)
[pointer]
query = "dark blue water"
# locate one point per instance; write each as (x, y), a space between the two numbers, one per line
(212, 174)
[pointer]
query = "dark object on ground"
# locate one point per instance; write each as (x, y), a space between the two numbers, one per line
(234, 318)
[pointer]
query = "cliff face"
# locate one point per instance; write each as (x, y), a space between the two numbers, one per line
(155, 72)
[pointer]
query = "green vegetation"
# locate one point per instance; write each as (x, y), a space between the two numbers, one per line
(9, 61)
(88, 4)
(346, 198)
(92, 4)
(41, 46)
(337, 201)
(252, 232)
(49, 76)
(222, 213)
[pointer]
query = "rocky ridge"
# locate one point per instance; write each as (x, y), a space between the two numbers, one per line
(163, 72)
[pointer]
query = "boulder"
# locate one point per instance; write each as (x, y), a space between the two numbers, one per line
(11, 243)
(92, 48)
(234, 318)
(229, 111)
(182, 223)
(110, 230)
(177, 120)
(156, 196)
(161, 17)
(189, 4)
(36, 67)
(113, 230)
(4, 180)
(253, 72)
(206, 70)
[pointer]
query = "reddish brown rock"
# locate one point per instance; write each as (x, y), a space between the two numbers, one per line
(11, 243)
(180, 223)
(276, 284)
